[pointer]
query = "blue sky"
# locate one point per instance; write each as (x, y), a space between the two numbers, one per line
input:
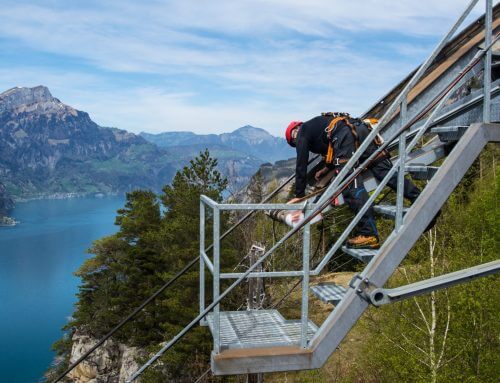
(213, 66)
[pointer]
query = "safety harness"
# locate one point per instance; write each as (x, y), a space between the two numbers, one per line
(345, 117)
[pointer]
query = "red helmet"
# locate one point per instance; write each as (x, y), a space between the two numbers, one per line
(288, 131)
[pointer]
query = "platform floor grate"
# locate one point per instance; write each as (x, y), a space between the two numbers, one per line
(258, 328)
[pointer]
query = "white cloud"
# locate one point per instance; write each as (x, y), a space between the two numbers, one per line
(273, 60)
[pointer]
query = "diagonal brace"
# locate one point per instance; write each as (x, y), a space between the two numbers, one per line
(381, 296)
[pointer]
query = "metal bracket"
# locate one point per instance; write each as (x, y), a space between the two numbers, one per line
(363, 286)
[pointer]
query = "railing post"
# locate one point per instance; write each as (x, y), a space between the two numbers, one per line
(216, 293)
(203, 322)
(305, 285)
(401, 171)
(487, 63)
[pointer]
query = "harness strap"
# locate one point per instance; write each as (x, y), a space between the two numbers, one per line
(337, 117)
(329, 130)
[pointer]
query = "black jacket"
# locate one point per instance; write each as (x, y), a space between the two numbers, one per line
(313, 138)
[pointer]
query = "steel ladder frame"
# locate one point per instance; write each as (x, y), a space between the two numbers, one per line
(314, 353)
(399, 166)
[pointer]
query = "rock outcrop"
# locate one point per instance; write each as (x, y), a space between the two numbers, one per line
(111, 363)
(267, 178)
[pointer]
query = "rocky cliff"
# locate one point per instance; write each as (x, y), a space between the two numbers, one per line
(111, 363)
(47, 147)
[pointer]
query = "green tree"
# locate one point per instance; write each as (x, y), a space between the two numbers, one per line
(449, 335)
(157, 236)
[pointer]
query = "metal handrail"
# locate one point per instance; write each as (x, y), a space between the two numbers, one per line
(420, 132)
(395, 104)
(207, 201)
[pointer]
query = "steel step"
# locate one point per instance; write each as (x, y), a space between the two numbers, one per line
(329, 292)
(258, 328)
(388, 210)
(449, 133)
(364, 255)
(421, 172)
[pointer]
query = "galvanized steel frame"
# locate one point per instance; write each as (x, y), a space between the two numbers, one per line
(395, 248)
(214, 267)
(381, 267)
(400, 228)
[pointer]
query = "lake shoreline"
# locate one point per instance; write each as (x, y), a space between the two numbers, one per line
(69, 195)
(38, 259)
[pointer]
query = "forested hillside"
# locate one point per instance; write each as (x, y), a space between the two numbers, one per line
(450, 335)
(447, 336)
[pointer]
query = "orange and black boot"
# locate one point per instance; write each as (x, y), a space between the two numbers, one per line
(364, 242)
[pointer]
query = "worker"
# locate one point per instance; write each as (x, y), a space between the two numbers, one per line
(336, 136)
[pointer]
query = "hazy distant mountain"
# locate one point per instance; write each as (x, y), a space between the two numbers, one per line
(47, 147)
(249, 140)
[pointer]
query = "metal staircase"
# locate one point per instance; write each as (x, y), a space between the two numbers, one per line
(311, 347)
(351, 302)
(256, 341)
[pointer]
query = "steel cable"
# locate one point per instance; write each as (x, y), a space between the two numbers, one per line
(347, 181)
(171, 281)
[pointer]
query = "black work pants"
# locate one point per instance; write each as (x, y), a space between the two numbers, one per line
(379, 171)
(355, 195)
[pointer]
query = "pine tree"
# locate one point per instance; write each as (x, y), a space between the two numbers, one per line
(157, 236)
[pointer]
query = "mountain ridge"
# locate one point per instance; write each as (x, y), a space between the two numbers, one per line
(247, 139)
(48, 148)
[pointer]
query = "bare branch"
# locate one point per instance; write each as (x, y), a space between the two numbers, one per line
(411, 321)
(403, 349)
(412, 344)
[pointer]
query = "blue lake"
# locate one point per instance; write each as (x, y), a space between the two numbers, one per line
(37, 286)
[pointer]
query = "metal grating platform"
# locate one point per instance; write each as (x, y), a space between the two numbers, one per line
(364, 255)
(421, 172)
(258, 328)
(388, 210)
(449, 133)
(329, 292)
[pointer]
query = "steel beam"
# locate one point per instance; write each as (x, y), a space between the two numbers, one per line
(487, 62)
(379, 297)
(378, 271)
(202, 261)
